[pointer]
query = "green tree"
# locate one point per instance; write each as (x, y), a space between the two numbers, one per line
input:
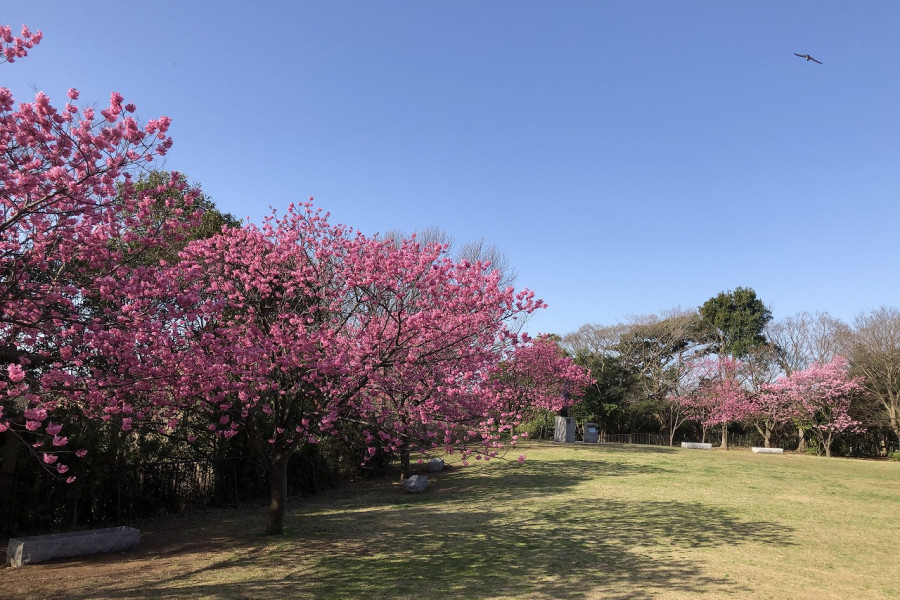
(605, 400)
(738, 319)
(207, 219)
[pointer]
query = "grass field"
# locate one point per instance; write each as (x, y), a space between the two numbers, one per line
(573, 521)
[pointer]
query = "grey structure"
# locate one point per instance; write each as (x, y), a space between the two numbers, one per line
(565, 429)
(759, 450)
(591, 433)
(25, 550)
(435, 465)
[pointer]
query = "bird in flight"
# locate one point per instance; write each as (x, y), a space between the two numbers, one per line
(808, 58)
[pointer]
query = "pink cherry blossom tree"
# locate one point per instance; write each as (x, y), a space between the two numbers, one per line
(716, 396)
(767, 410)
(71, 221)
(291, 330)
(820, 398)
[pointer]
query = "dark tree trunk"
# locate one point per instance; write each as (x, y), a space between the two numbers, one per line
(725, 435)
(12, 448)
(278, 494)
(404, 462)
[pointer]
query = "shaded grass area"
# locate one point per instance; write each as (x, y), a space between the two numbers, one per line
(572, 522)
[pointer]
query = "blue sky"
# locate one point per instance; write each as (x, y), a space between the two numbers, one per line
(628, 157)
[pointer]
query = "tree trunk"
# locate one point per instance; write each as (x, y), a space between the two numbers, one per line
(801, 445)
(767, 438)
(278, 494)
(12, 449)
(404, 462)
(725, 435)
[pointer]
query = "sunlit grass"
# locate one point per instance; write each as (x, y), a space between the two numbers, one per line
(573, 521)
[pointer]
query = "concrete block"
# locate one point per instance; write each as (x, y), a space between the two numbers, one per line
(435, 465)
(759, 450)
(38, 548)
(696, 445)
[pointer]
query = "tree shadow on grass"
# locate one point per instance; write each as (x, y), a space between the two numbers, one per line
(575, 551)
(479, 534)
(537, 479)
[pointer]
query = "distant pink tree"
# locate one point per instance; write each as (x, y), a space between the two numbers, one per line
(769, 409)
(72, 221)
(820, 398)
(716, 396)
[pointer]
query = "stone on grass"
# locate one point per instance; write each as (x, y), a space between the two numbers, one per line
(435, 465)
(37, 548)
(416, 484)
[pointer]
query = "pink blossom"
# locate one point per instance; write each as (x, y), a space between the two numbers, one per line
(15, 372)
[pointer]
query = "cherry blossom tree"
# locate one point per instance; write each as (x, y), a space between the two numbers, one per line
(767, 410)
(820, 398)
(288, 331)
(292, 330)
(716, 396)
(71, 220)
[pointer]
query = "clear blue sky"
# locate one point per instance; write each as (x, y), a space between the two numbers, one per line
(627, 156)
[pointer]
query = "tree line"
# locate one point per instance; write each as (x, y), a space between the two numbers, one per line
(728, 366)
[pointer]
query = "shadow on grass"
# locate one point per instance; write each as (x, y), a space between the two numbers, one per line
(480, 534)
(535, 479)
(637, 448)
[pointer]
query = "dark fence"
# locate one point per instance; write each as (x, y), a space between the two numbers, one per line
(653, 439)
(37, 502)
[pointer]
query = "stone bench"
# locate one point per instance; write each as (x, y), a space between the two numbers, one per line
(759, 450)
(696, 445)
(38, 548)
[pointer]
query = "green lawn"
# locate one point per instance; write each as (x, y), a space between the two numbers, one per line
(573, 521)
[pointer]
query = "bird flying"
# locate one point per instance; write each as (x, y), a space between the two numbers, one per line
(808, 58)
